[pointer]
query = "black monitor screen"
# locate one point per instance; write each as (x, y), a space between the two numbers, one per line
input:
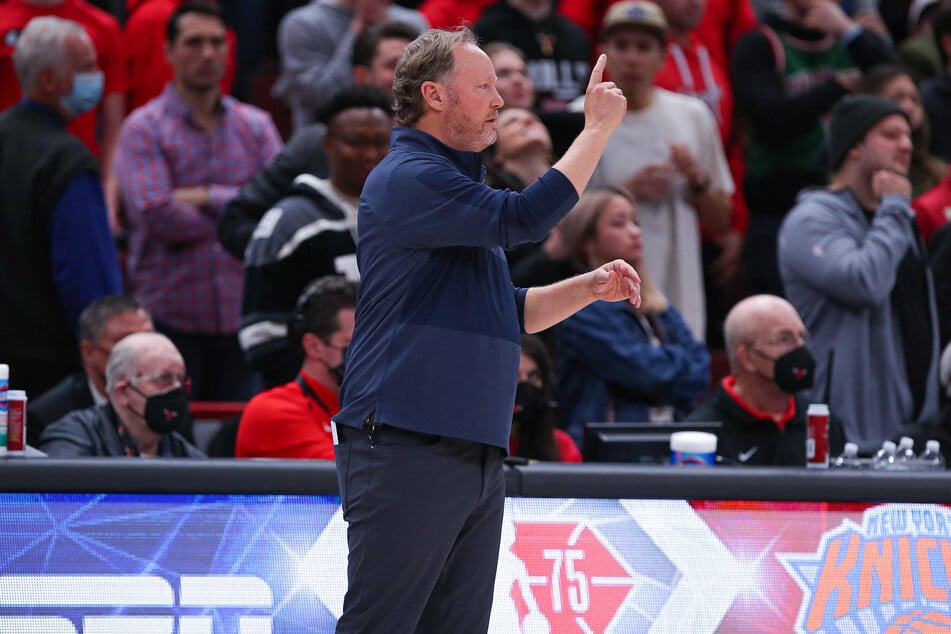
(638, 443)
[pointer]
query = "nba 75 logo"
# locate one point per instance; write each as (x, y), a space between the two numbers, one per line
(892, 574)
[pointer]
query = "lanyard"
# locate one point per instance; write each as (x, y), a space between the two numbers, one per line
(309, 391)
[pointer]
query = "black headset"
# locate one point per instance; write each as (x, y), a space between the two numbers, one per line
(297, 325)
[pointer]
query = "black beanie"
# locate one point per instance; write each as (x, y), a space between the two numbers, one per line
(852, 118)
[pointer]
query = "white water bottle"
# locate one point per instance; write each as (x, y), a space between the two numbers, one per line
(884, 460)
(849, 458)
(905, 459)
(931, 458)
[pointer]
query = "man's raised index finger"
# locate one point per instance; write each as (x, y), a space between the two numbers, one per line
(598, 70)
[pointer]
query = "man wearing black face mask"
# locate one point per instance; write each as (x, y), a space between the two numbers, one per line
(147, 388)
(293, 420)
(763, 416)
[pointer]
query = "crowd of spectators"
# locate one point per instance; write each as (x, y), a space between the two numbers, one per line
(223, 147)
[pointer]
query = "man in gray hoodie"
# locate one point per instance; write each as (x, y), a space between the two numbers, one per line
(853, 265)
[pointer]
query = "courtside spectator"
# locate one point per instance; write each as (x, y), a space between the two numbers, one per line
(786, 76)
(856, 270)
(316, 44)
(101, 325)
(147, 386)
(147, 67)
(293, 420)
(667, 152)
(616, 362)
(182, 157)
(761, 404)
(376, 49)
(556, 49)
(58, 254)
(311, 232)
(535, 434)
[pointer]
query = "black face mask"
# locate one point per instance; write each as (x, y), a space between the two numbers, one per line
(337, 371)
(166, 412)
(793, 371)
(530, 404)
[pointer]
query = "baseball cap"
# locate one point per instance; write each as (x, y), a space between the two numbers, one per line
(636, 13)
(915, 10)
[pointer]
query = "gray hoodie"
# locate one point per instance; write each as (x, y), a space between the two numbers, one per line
(839, 270)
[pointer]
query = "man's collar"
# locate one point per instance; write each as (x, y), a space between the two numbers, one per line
(177, 106)
(469, 163)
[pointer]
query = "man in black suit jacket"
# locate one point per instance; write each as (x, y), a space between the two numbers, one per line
(101, 325)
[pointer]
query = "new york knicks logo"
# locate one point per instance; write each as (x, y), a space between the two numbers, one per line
(892, 574)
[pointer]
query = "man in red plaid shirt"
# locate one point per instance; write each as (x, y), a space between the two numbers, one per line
(181, 158)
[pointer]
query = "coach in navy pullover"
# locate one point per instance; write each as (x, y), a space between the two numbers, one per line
(431, 371)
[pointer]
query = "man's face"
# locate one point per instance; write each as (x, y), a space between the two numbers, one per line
(357, 140)
(158, 370)
(634, 57)
(512, 80)
(338, 341)
(520, 132)
(887, 146)
(776, 333)
(474, 101)
(199, 54)
(81, 58)
(382, 68)
(96, 354)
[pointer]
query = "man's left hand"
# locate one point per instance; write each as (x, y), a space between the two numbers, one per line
(615, 281)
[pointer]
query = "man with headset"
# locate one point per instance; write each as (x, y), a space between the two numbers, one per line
(293, 420)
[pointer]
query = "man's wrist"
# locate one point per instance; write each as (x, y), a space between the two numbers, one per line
(700, 186)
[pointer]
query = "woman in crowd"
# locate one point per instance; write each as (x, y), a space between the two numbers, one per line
(511, 71)
(617, 363)
(534, 431)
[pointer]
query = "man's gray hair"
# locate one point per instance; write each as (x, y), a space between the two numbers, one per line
(128, 352)
(42, 44)
(427, 58)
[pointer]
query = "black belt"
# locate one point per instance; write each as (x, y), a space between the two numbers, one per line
(378, 433)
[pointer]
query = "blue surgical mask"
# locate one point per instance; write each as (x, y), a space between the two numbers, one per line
(86, 93)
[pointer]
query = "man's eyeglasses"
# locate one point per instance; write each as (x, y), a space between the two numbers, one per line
(165, 381)
(786, 339)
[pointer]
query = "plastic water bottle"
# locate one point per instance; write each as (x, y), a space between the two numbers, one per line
(931, 458)
(884, 460)
(905, 459)
(849, 458)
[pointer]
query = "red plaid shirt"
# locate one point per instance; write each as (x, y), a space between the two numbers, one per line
(176, 265)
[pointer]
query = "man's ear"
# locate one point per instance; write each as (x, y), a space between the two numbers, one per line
(744, 358)
(118, 393)
(48, 81)
(86, 349)
(435, 95)
(310, 343)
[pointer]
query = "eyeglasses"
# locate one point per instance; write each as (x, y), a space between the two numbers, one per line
(165, 381)
(786, 339)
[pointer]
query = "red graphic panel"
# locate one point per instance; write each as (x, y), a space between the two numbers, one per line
(573, 579)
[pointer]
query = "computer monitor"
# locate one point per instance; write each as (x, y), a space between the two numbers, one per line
(638, 443)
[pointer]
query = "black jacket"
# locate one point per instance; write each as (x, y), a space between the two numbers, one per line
(94, 432)
(303, 154)
(38, 161)
(67, 396)
(748, 440)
